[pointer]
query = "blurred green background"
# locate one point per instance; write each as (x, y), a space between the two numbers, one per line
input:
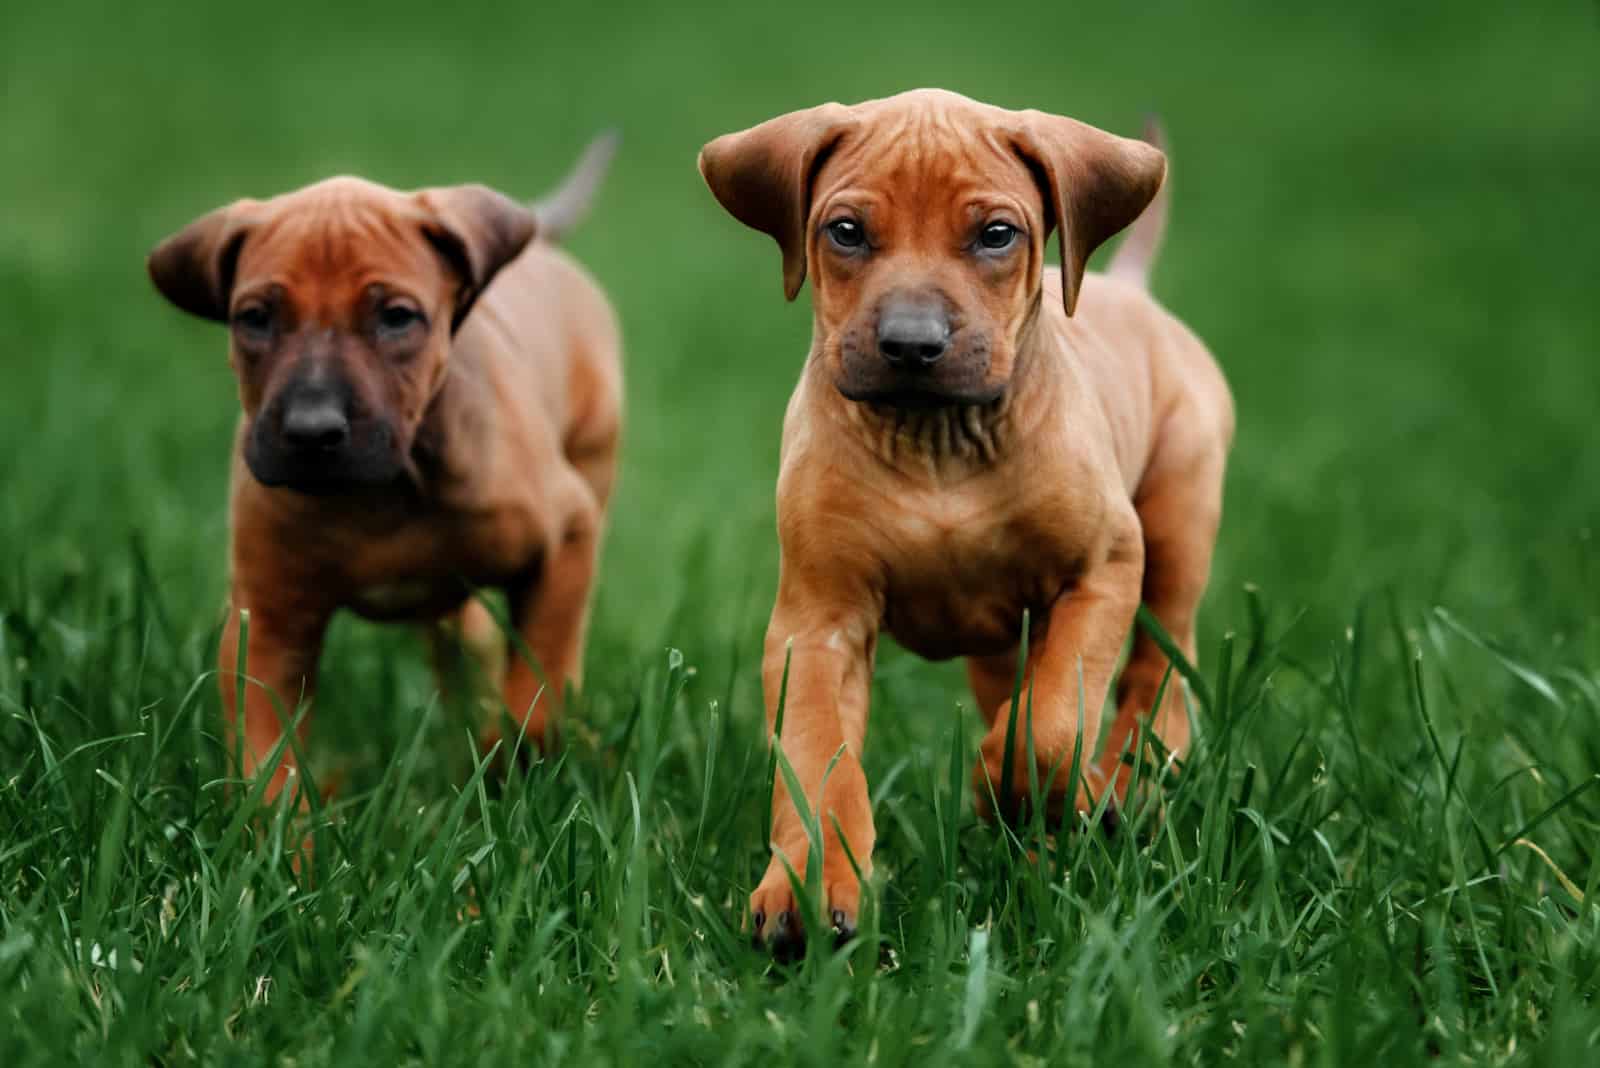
(1383, 225)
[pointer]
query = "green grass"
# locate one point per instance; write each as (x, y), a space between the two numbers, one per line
(1383, 850)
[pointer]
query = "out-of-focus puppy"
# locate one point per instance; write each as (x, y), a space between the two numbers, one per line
(974, 435)
(432, 402)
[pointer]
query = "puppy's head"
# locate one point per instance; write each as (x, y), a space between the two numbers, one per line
(922, 220)
(340, 300)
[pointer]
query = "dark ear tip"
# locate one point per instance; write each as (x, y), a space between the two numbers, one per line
(159, 267)
(1159, 166)
(794, 277)
(154, 259)
(193, 268)
(709, 162)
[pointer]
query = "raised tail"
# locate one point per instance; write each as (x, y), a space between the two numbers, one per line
(562, 210)
(1137, 253)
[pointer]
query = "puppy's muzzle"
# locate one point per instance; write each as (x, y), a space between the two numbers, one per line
(314, 437)
(913, 333)
(915, 349)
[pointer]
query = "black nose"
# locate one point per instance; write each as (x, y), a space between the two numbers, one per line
(316, 424)
(913, 334)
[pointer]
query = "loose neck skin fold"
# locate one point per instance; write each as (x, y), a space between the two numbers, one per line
(955, 441)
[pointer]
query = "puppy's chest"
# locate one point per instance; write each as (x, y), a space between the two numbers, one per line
(428, 565)
(959, 577)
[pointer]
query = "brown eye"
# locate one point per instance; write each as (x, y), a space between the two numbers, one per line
(253, 321)
(397, 318)
(846, 233)
(998, 236)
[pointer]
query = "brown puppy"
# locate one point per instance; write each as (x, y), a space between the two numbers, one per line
(395, 451)
(974, 435)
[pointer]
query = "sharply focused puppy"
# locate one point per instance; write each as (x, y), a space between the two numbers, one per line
(974, 435)
(410, 431)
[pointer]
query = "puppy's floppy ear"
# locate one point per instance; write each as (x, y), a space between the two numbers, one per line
(763, 177)
(1094, 183)
(194, 267)
(477, 231)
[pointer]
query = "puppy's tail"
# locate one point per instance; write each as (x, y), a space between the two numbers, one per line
(1137, 253)
(562, 210)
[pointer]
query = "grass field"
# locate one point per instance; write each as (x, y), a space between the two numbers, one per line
(1384, 850)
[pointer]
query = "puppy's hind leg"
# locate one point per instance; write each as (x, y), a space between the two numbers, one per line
(550, 610)
(1180, 508)
(468, 652)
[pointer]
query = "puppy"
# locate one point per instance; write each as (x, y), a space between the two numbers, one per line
(975, 435)
(432, 402)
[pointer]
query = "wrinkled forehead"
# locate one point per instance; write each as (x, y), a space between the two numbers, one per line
(923, 152)
(343, 233)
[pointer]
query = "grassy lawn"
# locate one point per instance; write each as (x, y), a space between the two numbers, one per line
(1386, 846)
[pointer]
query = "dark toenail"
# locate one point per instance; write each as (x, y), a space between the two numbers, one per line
(844, 929)
(760, 919)
(1111, 821)
(781, 925)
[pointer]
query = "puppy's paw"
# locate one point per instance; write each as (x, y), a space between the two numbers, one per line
(1133, 796)
(1139, 794)
(1052, 773)
(776, 921)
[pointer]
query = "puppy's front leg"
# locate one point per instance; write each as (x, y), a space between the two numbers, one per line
(284, 643)
(1087, 625)
(827, 642)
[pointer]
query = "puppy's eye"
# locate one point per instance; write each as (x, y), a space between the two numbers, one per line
(398, 317)
(255, 319)
(847, 233)
(997, 236)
